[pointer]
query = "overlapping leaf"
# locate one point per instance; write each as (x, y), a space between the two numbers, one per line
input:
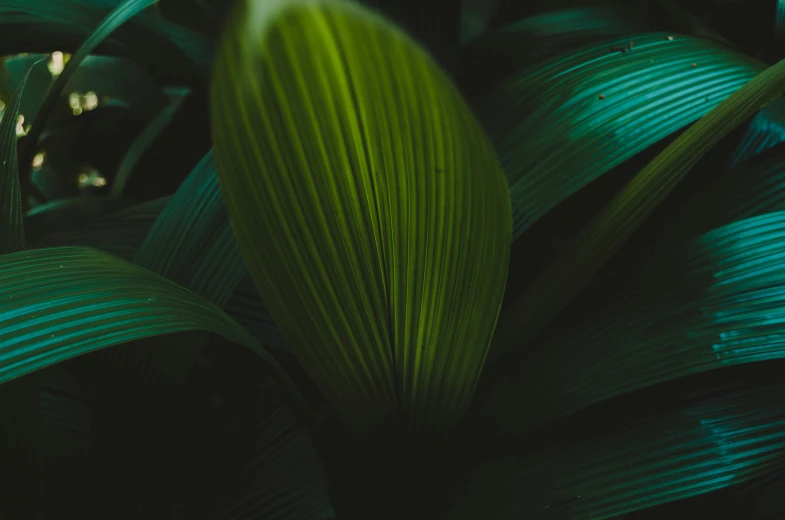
(726, 437)
(619, 219)
(765, 130)
(83, 16)
(368, 204)
(560, 125)
(716, 303)
(58, 303)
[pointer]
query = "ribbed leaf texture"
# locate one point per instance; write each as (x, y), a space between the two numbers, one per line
(714, 304)
(724, 437)
(368, 204)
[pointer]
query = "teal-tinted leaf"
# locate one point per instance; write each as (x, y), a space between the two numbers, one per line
(247, 307)
(555, 133)
(580, 260)
(12, 233)
(29, 33)
(368, 205)
(725, 437)
(62, 302)
(264, 465)
(120, 233)
(713, 304)
(765, 130)
(192, 242)
(752, 188)
(508, 49)
(779, 22)
(143, 141)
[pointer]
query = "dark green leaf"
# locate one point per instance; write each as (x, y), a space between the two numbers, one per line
(368, 205)
(262, 464)
(63, 214)
(120, 233)
(12, 233)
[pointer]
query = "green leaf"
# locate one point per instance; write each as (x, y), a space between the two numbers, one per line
(94, 300)
(615, 223)
(12, 233)
(555, 134)
(713, 304)
(192, 242)
(724, 437)
(368, 205)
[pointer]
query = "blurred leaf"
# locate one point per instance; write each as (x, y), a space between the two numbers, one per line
(715, 303)
(555, 134)
(779, 22)
(86, 292)
(32, 67)
(613, 225)
(12, 232)
(505, 50)
(765, 130)
(143, 141)
(151, 33)
(724, 437)
(340, 148)
(475, 17)
(117, 17)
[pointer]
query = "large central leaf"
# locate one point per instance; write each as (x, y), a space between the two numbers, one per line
(369, 205)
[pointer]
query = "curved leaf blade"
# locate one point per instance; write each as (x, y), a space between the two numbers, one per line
(12, 233)
(728, 436)
(561, 125)
(615, 223)
(58, 303)
(714, 304)
(192, 242)
(340, 148)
